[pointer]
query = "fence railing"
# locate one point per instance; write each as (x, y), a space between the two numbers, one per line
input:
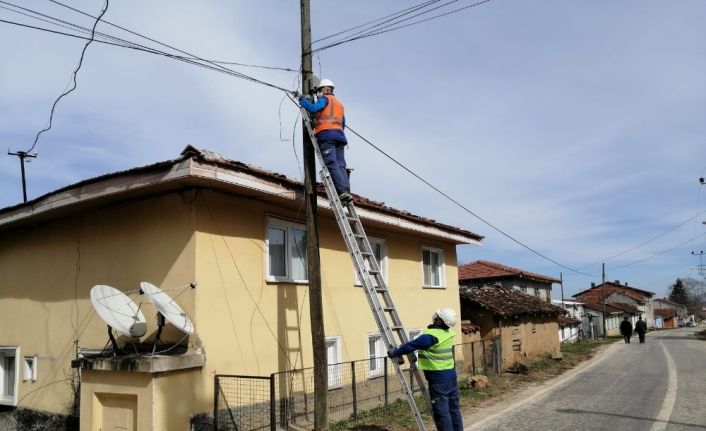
(365, 387)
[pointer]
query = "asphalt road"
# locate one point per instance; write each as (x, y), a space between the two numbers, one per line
(656, 386)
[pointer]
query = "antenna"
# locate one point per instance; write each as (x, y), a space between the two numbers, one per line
(119, 312)
(167, 308)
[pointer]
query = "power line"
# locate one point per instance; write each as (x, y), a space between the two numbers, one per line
(247, 77)
(497, 229)
(659, 253)
(74, 84)
(131, 45)
(394, 15)
(391, 27)
(645, 242)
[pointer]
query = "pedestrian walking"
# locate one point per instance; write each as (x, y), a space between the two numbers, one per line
(435, 347)
(626, 329)
(641, 329)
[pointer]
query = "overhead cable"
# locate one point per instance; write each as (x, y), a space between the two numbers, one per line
(497, 229)
(394, 26)
(73, 78)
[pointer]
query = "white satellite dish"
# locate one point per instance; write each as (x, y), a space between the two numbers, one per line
(167, 307)
(118, 311)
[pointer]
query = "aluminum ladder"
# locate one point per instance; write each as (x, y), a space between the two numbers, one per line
(368, 269)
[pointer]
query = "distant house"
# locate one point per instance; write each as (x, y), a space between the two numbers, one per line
(572, 324)
(527, 326)
(238, 233)
(672, 313)
(614, 292)
(483, 272)
(614, 314)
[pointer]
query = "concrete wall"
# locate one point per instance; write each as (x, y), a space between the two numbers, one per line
(255, 327)
(244, 324)
(49, 269)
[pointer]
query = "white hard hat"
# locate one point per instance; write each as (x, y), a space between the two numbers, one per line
(448, 315)
(326, 83)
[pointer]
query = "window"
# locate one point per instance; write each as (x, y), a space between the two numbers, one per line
(30, 368)
(8, 380)
(333, 359)
(414, 333)
(286, 251)
(380, 252)
(376, 355)
(433, 267)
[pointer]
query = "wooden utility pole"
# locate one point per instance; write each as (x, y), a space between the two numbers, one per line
(318, 342)
(561, 284)
(22, 156)
(605, 331)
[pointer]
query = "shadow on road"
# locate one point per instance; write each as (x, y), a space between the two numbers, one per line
(577, 411)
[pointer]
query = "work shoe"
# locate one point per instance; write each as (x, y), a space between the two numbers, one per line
(345, 198)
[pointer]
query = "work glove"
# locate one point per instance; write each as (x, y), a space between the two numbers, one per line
(392, 353)
(297, 94)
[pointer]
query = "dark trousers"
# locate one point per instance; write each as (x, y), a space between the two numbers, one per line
(626, 338)
(336, 163)
(446, 407)
(642, 337)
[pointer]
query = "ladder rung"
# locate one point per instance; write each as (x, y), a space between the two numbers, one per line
(388, 309)
(373, 271)
(397, 328)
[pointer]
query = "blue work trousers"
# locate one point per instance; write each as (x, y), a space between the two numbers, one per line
(336, 164)
(446, 406)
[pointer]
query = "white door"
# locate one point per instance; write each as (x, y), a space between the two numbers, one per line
(333, 359)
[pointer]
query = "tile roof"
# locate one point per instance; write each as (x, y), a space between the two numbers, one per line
(612, 307)
(486, 270)
(469, 328)
(566, 321)
(611, 287)
(508, 303)
(665, 312)
(211, 158)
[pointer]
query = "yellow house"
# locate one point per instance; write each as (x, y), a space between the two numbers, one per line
(233, 231)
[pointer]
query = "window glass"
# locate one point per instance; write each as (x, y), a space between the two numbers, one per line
(297, 252)
(376, 355)
(379, 252)
(7, 373)
(277, 252)
(432, 265)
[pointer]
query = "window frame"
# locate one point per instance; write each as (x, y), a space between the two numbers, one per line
(335, 370)
(377, 357)
(382, 262)
(287, 226)
(442, 267)
(30, 369)
(12, 351)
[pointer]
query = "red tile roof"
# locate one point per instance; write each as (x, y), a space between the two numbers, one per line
(665, 312)
(508, 303)
(566, 321)
(610, 287)
(469, 328)
(486, 270)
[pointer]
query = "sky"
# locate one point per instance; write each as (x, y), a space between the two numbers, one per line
(573, 132)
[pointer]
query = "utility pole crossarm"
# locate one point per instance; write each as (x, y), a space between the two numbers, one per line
(22, 155)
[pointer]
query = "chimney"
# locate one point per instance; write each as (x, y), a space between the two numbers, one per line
(617, 282)
(593, 285)
(626, 283)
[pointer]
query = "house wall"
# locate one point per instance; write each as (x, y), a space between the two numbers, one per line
(533, 288)
(528, 337)
(48, 270)
(568, 333)
(255, 327)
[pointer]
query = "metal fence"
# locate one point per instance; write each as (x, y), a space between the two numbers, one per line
(359, 388)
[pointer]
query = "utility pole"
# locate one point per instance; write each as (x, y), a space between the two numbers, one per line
(701, 262)
(318, 342)
(22, 155)
(605, 332)
(561, 284)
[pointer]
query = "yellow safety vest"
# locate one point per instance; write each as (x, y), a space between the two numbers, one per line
(439, 356)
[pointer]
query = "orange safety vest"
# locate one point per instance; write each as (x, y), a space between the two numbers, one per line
(331, 117)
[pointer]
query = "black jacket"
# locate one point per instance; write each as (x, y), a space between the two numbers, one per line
(641, 327)
(626, 328)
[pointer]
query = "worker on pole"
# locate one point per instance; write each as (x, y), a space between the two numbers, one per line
(330, 122)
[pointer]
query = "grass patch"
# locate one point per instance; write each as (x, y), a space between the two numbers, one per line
(396, 416)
